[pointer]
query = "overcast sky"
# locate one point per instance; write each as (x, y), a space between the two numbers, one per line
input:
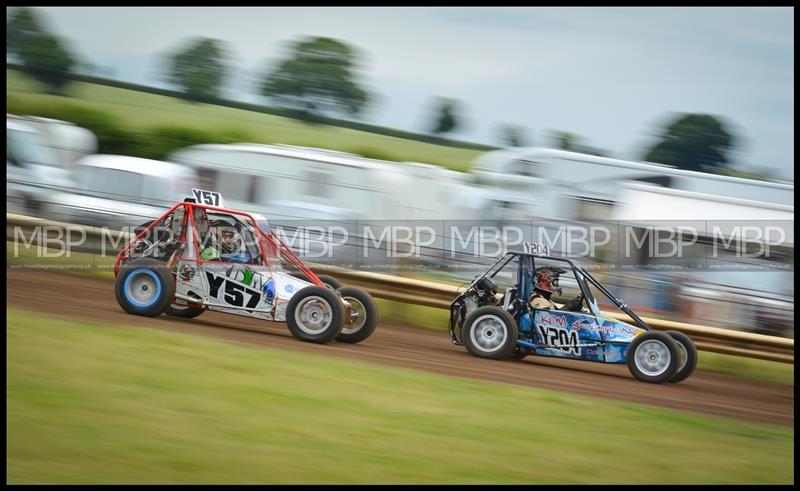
(611, 75)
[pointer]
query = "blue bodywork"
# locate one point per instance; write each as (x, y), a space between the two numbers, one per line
(563, 334)
(575, 335)
(587, 335)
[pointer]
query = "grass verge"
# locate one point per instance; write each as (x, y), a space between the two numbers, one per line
(98, 404)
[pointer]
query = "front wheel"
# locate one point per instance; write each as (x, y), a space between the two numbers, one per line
(653, 357)
(329, 281)
(490, 332)
(687, 356)
(144, 286)
(363, 316)
(315, 314)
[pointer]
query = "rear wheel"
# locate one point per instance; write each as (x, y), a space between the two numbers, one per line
(363, 316)
(184, 311)
(144, 286)
(687, 356)
(490, 332)
(315, 314)
(518, 354)
(653, 357)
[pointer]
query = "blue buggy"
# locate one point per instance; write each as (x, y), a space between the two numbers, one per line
(503, 323)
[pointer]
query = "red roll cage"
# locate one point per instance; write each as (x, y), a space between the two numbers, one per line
(268, 242)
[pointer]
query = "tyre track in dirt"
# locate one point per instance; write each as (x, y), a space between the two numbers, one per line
(92, 299)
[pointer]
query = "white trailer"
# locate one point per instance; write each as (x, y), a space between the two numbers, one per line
(739, 286)
(293, 183)
(33, 172)
(540, 182)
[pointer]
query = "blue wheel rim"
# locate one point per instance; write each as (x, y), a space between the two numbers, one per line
(130, 286)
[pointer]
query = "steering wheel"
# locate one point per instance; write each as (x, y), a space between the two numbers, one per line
(576, 304)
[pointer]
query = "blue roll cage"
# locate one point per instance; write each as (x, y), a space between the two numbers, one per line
(524, 275)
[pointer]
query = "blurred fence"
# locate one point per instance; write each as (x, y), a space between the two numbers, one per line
(420, 292)
(440, 295)
(762, 309)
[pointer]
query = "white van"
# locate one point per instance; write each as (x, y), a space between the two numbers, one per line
(312, 187)
(33, 171)
(117, 190)
(292, 183)
(68, 141)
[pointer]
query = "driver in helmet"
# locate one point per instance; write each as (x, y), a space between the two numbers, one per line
(227, 244)
(545, 283)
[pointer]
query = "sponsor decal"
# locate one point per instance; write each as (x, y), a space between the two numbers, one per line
(289, 288)
(245, 275)
(553, 320)
(269, 291)
(587, 324)
(579, 324)
(187, 272)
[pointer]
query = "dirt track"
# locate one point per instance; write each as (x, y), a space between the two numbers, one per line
(93, 300)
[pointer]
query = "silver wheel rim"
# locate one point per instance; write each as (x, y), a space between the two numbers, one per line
(652, 357)
(143, 288)
(313, 315)
(358, 316)
(683, 355)
(488, 333)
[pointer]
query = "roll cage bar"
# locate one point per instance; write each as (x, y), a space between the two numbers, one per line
(272, 238)
(581, 275)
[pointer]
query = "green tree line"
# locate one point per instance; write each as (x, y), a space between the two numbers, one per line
(317, 79)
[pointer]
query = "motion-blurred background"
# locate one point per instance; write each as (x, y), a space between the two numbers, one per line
(421, 116)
